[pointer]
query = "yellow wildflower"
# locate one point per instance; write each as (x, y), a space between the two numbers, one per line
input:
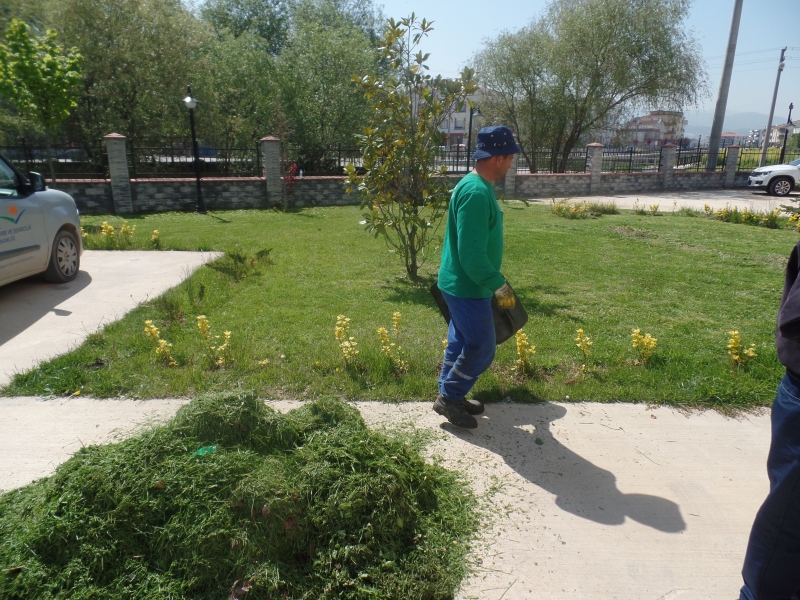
(645, 344)
(396, 322)
(347, 344)
(584, 342)
(524, 352)
(737, 352)
(106, 230)
(150, 330)
(163, 350)
(204, 327)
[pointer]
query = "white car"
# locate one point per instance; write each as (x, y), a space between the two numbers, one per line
(778, 179)
(39, 229)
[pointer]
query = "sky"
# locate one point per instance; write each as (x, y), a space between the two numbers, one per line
(460, 28)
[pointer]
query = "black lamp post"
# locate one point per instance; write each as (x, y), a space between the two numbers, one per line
(190, 102)
(786, 132)
(477, 112)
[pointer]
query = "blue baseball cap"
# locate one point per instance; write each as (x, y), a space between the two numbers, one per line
(495, 141)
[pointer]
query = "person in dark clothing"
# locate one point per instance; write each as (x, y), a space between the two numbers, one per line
(772, 563)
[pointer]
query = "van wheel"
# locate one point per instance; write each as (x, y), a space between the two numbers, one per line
(780, 186)
(65, 259)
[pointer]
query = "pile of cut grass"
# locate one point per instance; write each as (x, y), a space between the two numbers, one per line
(231, 499)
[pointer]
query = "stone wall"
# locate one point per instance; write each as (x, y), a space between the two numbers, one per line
(629, 183)
(330, 191)
(93, 197)
(741, 179)
(551, 185)
(320, 191)
(158, 195)
(698, 181)
(123, 195)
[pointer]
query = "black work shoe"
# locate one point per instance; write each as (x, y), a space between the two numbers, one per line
(473, 407)
(455, 412)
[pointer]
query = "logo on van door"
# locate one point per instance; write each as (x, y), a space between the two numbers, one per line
(14, 218)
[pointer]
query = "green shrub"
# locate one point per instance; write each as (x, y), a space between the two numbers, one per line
(578, 210)
(604, 208)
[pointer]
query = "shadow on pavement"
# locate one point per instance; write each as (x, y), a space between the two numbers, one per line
(581, 487)
(24, 302)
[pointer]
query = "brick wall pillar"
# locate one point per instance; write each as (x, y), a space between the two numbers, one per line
(118, 171)
(271, 157)
(668, 165)
(594, 165)
(731, 162)
(510, 182)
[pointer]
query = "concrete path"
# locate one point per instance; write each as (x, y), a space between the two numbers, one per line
(716, 199)
(583, 500)
(42, 320)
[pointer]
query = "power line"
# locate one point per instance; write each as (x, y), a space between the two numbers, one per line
(746, 53)
(750, 62)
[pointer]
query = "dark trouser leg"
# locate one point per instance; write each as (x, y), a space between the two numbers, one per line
(470, 345)
(772, 564)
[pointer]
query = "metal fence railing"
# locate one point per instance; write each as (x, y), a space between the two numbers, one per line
(69, 162)
(544, 161)
(177, 160)
(631, 160)
(326, 162)
(694, 160)
(750, 158)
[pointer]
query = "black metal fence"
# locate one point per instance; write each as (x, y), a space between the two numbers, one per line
(326, 162)
(694, 160)
(69, 161)
(177, 160)
(545, 161)
(626, 160)
(750, 158)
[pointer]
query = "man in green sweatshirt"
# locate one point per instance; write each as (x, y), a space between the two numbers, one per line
(470, 275)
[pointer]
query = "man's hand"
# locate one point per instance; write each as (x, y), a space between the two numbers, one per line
(505, 297)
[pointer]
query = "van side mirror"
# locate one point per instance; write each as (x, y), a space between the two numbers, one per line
(36, 181)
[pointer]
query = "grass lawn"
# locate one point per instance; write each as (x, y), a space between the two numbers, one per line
(686, 280)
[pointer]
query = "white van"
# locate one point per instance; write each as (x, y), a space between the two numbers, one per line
(39, 229)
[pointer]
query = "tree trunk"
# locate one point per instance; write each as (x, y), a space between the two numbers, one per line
(412, 268)
(49, 155)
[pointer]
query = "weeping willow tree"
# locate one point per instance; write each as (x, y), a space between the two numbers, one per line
(584, 66)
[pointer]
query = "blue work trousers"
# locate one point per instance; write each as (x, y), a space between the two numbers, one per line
(772, 564)
(471, 345)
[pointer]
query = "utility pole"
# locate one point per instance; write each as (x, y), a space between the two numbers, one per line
(772, 110)
(724, 86)
(786, 132)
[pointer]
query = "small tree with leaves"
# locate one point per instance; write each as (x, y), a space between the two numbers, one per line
(401, 187)
(39, 78)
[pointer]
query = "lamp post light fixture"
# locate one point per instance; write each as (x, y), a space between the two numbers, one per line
(191, 102)
(477, 112)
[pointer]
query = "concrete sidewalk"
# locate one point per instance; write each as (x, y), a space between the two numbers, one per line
(42, 320)
(716, 199)
(584, 500)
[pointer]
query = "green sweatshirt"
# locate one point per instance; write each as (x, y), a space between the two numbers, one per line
(473, 241)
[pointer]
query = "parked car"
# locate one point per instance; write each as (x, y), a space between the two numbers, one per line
(39, 229)
(779, 180)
